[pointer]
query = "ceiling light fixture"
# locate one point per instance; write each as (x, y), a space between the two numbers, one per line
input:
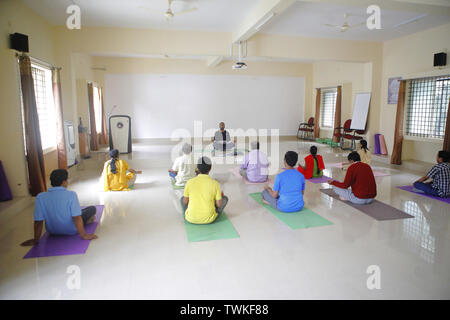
(266, 20)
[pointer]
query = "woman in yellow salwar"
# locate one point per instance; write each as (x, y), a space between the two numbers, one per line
(117, 175)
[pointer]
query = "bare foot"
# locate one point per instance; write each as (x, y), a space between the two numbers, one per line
(342, 198)
(264, 201)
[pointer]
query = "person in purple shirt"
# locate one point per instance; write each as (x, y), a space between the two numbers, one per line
(60, 210)
(256, 166)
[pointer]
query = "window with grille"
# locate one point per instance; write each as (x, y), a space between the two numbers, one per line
(327, 108)
(42, 79)
(427, 106)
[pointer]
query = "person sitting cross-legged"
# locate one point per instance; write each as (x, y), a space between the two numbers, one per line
(288, 189)
(440, 174)
(183, 167)
(222, 140)
(60, 210)
(203, 202)
(256, 165)
(313, 165)
(117, 175)
(360, 179)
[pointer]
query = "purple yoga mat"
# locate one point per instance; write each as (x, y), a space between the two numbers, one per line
(410, 189)
(50, 246)
(377, 144)
(323, 179)
(5, 191)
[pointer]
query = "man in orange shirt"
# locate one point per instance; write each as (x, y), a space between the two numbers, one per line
(361, 180)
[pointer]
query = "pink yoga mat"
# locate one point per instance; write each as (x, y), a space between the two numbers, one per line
(50, 246)
(235, 171)
(376, 173)
(383, 148)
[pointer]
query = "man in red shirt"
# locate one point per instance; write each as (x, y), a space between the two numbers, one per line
(361, 180)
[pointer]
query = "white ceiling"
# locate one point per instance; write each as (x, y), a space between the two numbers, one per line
(303, 18)
(212, 15)
(307, 19)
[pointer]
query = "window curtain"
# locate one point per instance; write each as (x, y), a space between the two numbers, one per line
(398, 133)
(94, 136)
(317, 116)
(35, 156)
(337, 111)
(104, 133)
(446, 145)
(60, 141)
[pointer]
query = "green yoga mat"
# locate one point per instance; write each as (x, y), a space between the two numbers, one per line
(294, 220)
(219, 229)
(175, 186)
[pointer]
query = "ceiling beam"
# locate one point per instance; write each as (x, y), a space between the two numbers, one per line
(267, 9)
(214, 61)
(444, 3)
(430, 6)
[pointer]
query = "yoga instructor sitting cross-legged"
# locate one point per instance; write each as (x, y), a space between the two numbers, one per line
(222, 140)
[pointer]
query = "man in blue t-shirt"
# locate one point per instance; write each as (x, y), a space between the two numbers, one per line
(60, 210)
(288, 189)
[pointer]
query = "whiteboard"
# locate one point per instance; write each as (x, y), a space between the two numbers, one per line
(360, 111)
(161, 104)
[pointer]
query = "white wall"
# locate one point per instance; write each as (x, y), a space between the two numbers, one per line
(160, 104)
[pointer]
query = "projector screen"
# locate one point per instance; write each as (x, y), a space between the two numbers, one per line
(160, 104)
(360, 111)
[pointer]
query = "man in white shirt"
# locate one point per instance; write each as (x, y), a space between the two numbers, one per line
(184, 167)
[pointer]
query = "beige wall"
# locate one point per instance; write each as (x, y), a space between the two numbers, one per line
(405, 57)
(82, 75)
(353, 77)
(16, 17)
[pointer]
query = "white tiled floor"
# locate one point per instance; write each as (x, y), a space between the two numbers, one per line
(143, 253)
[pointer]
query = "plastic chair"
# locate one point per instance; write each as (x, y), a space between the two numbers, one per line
(343, 133)
(306, 130)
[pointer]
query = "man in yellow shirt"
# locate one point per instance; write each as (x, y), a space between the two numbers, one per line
(203, 200)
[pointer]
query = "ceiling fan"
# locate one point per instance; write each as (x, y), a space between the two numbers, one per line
(170, 14)
(345, 26)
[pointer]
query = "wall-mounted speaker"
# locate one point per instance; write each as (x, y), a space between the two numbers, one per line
(19, 42)
(440, 59)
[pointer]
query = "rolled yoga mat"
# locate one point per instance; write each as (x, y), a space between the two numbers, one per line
(218, 230)
(303, 219)
(235, 172)
(5, 191)
(383, 149)
(51, 245)
(377, 210)
(377, 144)
(411, 189)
